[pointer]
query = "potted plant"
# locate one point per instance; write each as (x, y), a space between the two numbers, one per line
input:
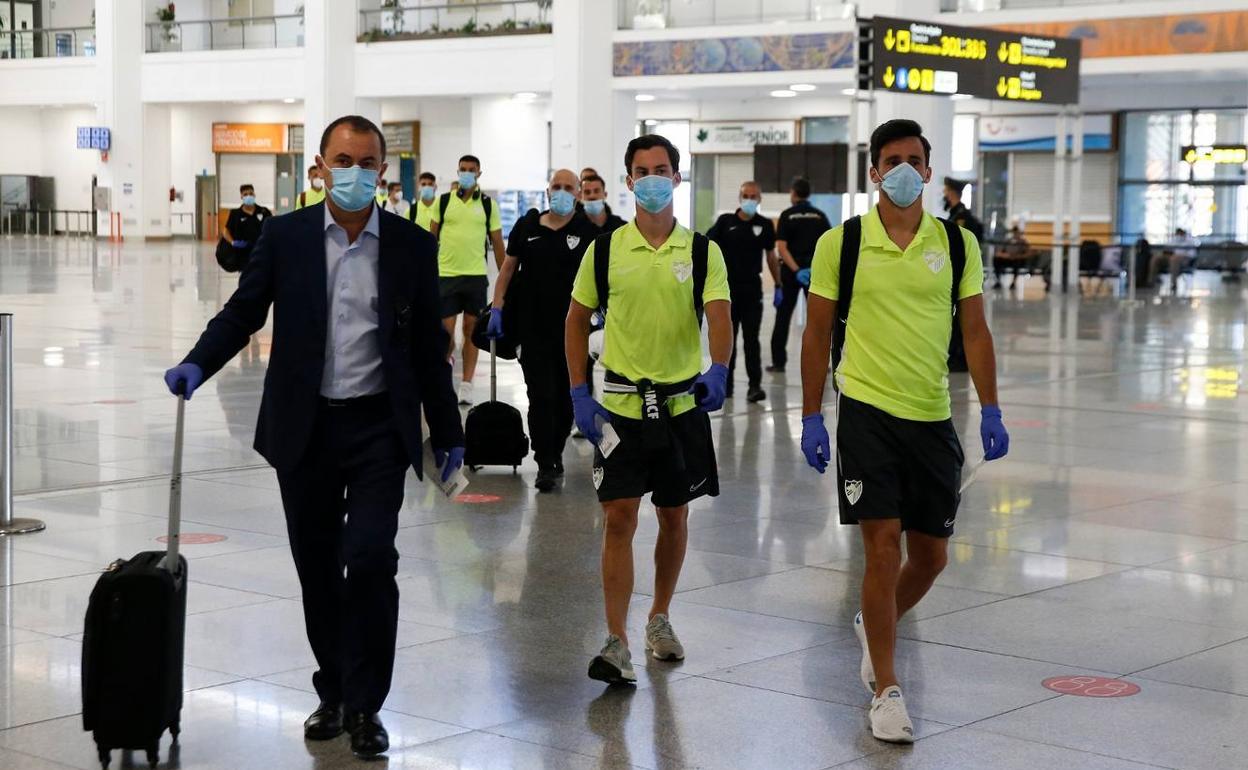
(398, 18)
(166, 15)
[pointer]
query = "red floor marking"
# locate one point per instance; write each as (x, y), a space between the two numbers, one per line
(1029, 424)
(1091, 686)
(115, 401)
(195, 538)
(477, 498)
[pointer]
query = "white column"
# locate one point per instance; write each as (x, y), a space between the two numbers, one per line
(157, 171)
(1059, 197)
(623, 128)
(119, 45)
(1076, 191)
(582, 102)
(329, 67)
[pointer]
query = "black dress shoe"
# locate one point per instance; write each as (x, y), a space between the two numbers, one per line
(368, 735)
(777, 369)
(546, 478)
(325, 723)
(755, 395)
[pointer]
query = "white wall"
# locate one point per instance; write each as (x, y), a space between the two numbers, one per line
(41, 142)
(511, 138)
(47, 81)
(67, 13)
(445, 132)
(454, 67)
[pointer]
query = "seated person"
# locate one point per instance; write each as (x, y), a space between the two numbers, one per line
(1174, 259)
(1015, 255)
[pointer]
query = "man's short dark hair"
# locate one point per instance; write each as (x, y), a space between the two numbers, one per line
(595, 178)
(891, 131)
(393, 185)
(957, 185)
(245, 187)
(357, 123)
(471, 159)
(311, 168)
(426, 175)
(801, 187)
(649, 142)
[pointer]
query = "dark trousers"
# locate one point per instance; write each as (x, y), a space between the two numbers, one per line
(784, 314)
(550, 406)
(747, 317)
(342, 506)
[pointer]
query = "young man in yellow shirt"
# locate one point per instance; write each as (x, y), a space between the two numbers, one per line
(655, 279)
(899, 462)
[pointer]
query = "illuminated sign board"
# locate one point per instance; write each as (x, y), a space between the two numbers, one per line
(94, 138)
(1221, 154)
(926, 58)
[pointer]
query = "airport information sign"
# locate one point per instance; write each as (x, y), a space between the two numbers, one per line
(927, 58)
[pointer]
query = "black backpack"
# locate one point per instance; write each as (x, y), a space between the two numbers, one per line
(602, 263)
(444, 200)
(851, 239)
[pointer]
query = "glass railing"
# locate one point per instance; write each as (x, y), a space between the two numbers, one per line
(47, 43)
(510, 17)
(226, 34)
(666, 14)
(975, 6)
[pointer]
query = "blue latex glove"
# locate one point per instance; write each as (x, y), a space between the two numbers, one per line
(584, 411)
(456, 461)
(777, 298)
(183, 379)
(992, 431)
(711, 388)
(816, 444)
(495, 328)
(803, 276)
(239, 244)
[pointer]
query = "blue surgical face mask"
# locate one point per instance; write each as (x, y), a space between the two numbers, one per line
(427, 192)
(249, 200)
(595, 208)
(749, 206)
(653, 193)
(903, 185)
(562, 203)
(354, 188)
(467, 179)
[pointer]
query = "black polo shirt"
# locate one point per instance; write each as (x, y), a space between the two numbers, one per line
(800, 228)
(549, 260)
(246, 227)
(743, 242)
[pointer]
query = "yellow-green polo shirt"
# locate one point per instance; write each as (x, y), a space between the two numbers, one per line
(652, 332)
(425, 215)
(462, 235)
(897, 334)
(309, 197)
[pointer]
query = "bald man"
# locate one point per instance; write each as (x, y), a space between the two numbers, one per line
(531, 301)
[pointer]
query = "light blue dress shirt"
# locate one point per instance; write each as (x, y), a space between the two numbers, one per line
(352, 340)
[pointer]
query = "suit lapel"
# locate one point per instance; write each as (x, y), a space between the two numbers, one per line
(389, 273)
(313, 252)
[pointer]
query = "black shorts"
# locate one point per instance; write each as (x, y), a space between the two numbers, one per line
(463, 294)
(684, 471)
(890, 468)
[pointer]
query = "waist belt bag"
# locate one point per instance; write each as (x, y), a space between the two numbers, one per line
(656, 430)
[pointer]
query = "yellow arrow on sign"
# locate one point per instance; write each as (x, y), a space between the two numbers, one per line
(1003, 52)
(1002, 87)
(1190, 157)
(889, 77)
(888, 40)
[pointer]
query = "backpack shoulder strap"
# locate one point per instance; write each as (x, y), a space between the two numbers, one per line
(957, 259)
(851, 238)
(487, 206)
(602, 263)
(444, 200)
(701, 255)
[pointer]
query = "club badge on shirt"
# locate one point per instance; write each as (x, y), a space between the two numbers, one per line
(935, 260)
(758, 230)
(573, 240)
(682, 271)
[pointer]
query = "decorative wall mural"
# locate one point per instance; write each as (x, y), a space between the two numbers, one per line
(763, 53)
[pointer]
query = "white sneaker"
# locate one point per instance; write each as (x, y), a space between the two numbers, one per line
(614, 665)
(661, 640)
(889, 720)
(865, 669)
(465, 393)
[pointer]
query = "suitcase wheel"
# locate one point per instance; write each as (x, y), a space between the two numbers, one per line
(105, 756)
(475, 468)
(153, 756)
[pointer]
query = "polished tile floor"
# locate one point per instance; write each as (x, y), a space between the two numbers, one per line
(1112, 542)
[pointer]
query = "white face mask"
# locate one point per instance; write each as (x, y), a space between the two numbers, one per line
(318, 183)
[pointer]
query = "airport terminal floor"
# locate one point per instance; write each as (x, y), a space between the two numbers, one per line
(1111, 542)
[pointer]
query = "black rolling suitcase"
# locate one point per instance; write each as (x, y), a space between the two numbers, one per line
(494, 431)
(132, 645)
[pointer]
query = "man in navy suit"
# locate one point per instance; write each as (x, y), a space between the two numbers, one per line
(358, 349)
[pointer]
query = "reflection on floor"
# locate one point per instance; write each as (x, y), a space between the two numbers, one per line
(1112, 542)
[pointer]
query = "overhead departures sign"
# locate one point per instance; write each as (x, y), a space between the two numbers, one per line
(925, 58)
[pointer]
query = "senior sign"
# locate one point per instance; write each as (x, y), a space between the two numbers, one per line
(725, 137)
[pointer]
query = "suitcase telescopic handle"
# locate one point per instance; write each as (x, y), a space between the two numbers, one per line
(493, 371)
(175, 493)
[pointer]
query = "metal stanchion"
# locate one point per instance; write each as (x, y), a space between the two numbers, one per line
(8, 524)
